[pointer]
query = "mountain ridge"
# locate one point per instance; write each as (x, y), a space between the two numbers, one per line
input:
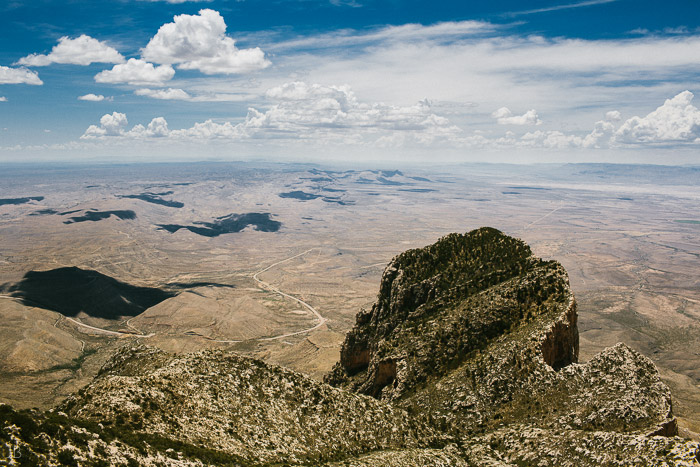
(468, 357)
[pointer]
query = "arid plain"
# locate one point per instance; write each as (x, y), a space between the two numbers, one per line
(274, 261)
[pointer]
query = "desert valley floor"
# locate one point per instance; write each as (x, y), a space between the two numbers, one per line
(275, 261)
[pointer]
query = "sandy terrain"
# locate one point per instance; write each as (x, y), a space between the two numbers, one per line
(632, 265)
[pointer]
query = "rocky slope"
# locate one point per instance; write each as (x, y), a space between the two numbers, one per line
(468, 357)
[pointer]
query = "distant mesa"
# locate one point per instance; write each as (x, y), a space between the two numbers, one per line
(43, 212)
(418, 190)
(155, 198)
(72, 290)
(300, 195)
(231, 223)
(318, 179)
(528, 188)
(95, 216)
(379, 181)
(365, 177)
(336, 201)
(334, 190)
(365, 180)
(15, 201)
(511, 192)
(386, 181)
(303, 196)
(687, 221)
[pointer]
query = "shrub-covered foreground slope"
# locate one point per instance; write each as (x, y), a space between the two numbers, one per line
(468, 357)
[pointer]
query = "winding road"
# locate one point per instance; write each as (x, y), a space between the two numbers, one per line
(260, 282)
(561, 205)
(106, 331)
(266, 286)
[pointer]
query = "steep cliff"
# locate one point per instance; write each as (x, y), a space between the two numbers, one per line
(475, 334)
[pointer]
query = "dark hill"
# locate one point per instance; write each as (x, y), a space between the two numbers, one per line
(71, 290)
(96, 216)
(232, 223)
(14, 201)
(155, 198)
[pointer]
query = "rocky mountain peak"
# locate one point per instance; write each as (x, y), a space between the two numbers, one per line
(439, 304)
(468, 357)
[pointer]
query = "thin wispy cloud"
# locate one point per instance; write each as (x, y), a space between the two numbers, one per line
(349, 38)
(566, 6)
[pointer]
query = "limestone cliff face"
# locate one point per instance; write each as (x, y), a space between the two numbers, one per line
(496, 345)
(468, 357)
(438, 305)
(560, 345)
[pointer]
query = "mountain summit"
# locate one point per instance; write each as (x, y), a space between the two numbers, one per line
(468, 357)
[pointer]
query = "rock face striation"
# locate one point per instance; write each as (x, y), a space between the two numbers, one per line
(439, 305)
(468, 357)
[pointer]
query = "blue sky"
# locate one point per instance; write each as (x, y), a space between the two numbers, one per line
(350, 80)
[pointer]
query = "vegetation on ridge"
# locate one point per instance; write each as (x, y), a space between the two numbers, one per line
(468, 357)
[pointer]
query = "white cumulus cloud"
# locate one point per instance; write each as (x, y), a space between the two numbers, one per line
(18, 76)
(317, 111)
(92, 97)
(165, 94)
(676, 121)
(83, 50)
(113, 124)
(3, 99)
(505, 117)
(552, 139)
(307, 112)
(158, 128)
(601, 134)
(613, 116)
(199, 42)
(136, 72)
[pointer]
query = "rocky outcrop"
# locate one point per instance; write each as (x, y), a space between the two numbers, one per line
(560, 345)
(241, 407)
(439, 304)
(496, 345)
